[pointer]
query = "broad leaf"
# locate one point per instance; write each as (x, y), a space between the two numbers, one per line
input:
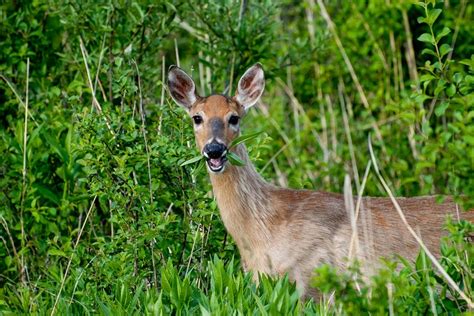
(428, 51)
(433, 15)
(443, 33)
(444, 49)
(441, 109)
(427, 38)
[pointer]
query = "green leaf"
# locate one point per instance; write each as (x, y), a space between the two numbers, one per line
(244, 138)
(47, 193)
(199, 166)
(457, 77)
(428, 51)
(56, 252)
(56, 146)
(433, 15)
(427, 77)
(421, 19)
(192, 160)
(444, 49)
(421, 98)
(468, 62)
(421, 4)
(469, 139)
(440, 87)
(234, 159)
(441, 109)
(443, 33)
(427, 38)
(451, 90)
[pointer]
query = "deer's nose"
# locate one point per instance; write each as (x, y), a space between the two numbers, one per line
(214, 150)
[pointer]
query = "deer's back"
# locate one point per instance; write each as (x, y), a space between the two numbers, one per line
(313, 227)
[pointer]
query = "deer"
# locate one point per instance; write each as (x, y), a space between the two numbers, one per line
(282, 231)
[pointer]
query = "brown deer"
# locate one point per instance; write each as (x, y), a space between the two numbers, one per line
(279, 230)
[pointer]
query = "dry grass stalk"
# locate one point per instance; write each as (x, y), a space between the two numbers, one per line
(23, 173)
(53, 311)
(353, 246)
(95, 103)
(435, 262)
(13, 89)
(347, 129)
(411, 60)
(349, 66)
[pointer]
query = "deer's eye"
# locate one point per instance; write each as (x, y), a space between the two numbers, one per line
(234, 119)
(197, 119)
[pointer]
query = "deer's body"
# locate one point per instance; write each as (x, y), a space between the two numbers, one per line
(279, 230)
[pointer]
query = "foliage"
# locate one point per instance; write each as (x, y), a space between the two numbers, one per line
(410, 290)
(100, 213)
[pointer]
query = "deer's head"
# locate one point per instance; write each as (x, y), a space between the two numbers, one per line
(216, 118)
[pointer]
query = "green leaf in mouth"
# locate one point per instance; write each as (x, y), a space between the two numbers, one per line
(234, 159)
(192, 160)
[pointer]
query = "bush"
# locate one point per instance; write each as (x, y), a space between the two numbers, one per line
(97, 216)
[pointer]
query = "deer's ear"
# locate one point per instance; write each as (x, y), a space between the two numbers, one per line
(182, 88)
(251, 86)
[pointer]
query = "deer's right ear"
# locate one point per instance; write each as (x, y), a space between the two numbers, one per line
(182, 87)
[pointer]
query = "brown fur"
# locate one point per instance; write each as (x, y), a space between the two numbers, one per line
(279, 230)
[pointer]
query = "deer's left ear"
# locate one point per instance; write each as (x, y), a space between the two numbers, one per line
(250, 86)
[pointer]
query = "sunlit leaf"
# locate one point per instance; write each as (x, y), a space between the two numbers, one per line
(444, 49)
(443, 33)
(192, 160)
(426, 37)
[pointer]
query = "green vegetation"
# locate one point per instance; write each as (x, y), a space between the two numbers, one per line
(99, 217)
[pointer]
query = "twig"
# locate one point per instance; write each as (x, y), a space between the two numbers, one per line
(15, 253)
(95, 103)
(53, 311)
(23, 172)
(143, 129)
(275, 155)
(176, 52)
(410, 50)
(348, 63)
(354, 237)
(10, 85)
(347, 129)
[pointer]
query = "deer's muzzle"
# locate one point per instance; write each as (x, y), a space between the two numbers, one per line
(215, 154)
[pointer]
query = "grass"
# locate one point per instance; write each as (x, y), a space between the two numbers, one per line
(98, 216)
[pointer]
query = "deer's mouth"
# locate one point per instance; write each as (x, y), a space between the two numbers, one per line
(216, 164)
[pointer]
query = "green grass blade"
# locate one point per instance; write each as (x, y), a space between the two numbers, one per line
(235, 160)
(244, 138)
(192, 160)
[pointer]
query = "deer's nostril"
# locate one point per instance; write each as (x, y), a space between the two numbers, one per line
(214, 150)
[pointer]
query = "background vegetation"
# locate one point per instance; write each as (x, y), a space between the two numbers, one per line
(96, 214)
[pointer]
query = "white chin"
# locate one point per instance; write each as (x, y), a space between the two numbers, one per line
(219, 169)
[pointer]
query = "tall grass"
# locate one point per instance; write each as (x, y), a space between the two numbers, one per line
(97, 215)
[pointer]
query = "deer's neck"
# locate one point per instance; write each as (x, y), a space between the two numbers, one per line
(242, 196)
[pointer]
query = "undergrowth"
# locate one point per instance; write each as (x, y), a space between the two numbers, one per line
(98, 216)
